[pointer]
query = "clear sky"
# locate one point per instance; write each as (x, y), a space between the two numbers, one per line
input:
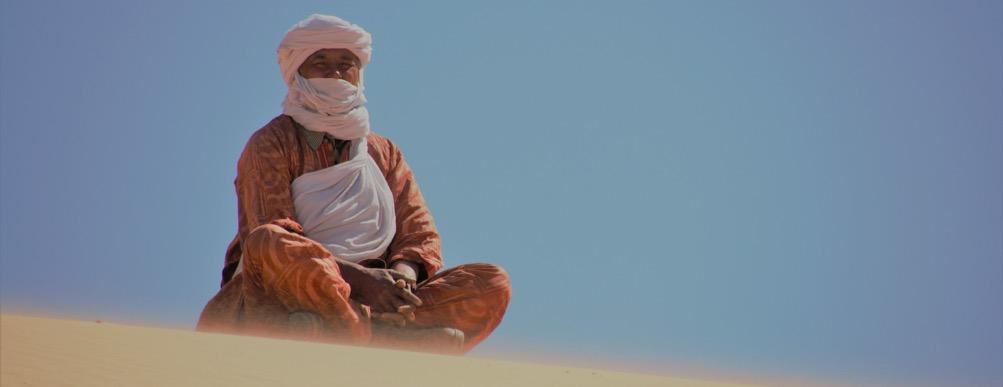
(808, 189)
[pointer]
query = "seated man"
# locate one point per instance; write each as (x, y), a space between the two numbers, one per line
(335, 242)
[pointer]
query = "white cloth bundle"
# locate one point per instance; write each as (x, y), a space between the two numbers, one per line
(325, 105)
(348, 207)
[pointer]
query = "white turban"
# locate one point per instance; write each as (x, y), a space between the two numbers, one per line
(318, 32)
(328, 105)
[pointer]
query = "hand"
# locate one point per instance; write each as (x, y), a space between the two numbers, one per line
(385, 291)
(404, 313)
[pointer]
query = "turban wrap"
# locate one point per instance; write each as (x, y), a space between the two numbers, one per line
(325, 105)
(317, 32)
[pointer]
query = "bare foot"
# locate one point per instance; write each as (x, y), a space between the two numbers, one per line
(439, 340)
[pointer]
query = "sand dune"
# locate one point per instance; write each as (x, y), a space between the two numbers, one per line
(49, 352)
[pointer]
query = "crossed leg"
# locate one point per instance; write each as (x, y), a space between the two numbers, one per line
(291, 286)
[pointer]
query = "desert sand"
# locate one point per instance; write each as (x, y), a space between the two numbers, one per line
(50, 352)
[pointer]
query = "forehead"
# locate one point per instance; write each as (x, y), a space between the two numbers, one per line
(333, 54)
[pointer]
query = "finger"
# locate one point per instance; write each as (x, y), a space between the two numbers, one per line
(401, 276)
(398, 319)
(395, 318)
(405, 284)
(407, 311)
(389, 318)
(397, 302)
(410, 297)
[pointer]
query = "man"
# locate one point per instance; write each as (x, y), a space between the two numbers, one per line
(335, 242)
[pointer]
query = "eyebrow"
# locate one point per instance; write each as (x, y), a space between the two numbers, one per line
(350, 58)
(345, 57)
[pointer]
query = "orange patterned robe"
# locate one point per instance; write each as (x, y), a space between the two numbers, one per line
(285, 272)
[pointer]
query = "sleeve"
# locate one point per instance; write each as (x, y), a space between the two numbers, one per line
(417, 239)
(263, 194)
(263, 186)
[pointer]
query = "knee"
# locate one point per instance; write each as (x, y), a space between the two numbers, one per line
(260, 237)
(493, 278)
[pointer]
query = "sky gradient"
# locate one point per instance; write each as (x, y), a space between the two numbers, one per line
(799, 189)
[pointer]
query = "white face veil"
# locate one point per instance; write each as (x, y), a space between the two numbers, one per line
(325, 105)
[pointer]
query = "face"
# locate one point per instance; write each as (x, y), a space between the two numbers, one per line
(331, 63)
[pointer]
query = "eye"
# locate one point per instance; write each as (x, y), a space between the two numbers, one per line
(345, 66)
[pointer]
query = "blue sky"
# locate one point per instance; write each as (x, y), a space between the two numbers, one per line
(802, 189)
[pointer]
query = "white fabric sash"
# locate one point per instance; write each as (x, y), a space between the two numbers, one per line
(348, 207)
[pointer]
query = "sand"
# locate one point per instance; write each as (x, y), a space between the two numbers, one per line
(49, 352)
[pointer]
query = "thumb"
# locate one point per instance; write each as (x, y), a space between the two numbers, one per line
(401, 276)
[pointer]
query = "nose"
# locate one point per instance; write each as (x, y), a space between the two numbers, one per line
(333, 73)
